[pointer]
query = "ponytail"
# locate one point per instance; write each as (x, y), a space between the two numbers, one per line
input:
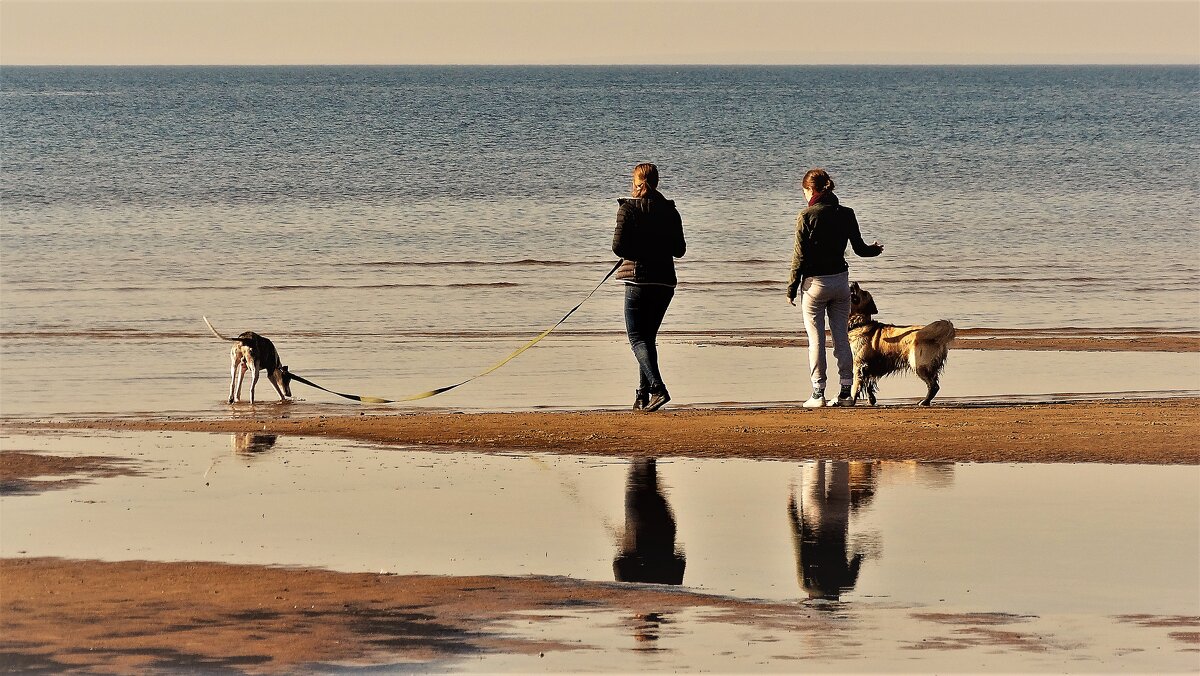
(645, 179)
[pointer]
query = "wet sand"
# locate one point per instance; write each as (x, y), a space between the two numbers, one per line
(137, 615)
(1162, 431)
(134, 616)
(31, 473)
(127, 616)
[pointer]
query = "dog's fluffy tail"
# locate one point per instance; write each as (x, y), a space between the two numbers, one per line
(940, 332)
(215, 333)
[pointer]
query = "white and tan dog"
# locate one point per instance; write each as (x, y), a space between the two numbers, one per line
(254, 353)
(882, 349)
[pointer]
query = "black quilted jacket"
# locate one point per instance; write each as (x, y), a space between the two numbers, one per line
(649, 236)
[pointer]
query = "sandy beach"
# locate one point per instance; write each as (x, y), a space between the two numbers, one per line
(61, 614)
(1152, 431)
(110, 617)
(133, 616)
(398, 230)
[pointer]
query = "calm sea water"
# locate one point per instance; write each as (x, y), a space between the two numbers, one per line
(381, 204)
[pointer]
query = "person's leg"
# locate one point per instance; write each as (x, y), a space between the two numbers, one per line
(657, 310)
(813, 306)
(645, 307)
(839, 329)
(633, 311)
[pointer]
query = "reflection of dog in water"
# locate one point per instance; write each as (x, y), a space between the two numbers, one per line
(254, 353)
(251, 443)
(883, 349)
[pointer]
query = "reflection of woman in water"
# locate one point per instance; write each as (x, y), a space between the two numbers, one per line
(647, 550)
(819, 533)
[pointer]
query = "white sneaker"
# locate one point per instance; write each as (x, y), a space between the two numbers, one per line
(815, 401)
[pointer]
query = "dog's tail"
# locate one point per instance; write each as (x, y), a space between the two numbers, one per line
(215, 333)
(939, 333)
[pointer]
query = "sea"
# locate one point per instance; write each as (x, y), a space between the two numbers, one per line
(395, 229)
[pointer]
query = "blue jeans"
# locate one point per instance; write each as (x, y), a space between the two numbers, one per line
(645, 307)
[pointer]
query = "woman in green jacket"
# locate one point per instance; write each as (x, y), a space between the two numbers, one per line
(820, 272)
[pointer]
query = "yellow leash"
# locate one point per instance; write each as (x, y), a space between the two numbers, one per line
(431, 393)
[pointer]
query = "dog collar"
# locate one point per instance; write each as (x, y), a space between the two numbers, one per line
(859, 321)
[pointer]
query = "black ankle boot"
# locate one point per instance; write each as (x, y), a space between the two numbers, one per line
(640, 399)
(657, 400)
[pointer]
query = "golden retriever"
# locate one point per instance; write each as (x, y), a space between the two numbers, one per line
(883, 349)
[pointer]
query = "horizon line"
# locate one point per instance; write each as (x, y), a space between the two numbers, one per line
(602, 65)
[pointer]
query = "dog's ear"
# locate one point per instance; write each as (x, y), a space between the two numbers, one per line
(854, 286)
(870, 309)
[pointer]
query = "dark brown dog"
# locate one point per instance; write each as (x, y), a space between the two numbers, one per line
(883, 349)
(254, 353)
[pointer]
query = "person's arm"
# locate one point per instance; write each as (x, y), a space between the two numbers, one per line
(623, 237)
(678, 244)
(797, 260)
(861, 248)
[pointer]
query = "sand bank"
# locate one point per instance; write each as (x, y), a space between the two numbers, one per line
(100, 617)
(29, 473)
(1137, 431)
(136, 615)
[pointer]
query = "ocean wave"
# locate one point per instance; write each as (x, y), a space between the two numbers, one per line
(973, 337)
(772, 283)
(549, 262)
(735, 261)
(390, 285)
(524, 262)
(51, 94)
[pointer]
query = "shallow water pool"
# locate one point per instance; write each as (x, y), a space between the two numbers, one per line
(890, 543)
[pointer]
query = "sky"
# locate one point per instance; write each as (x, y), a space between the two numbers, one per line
(218, 32)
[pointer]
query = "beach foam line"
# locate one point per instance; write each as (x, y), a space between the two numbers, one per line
(116, 332)
(396, 285)
(756, 285)
(524, 262)
(1056, 340)
(1072, 339)
(542, 262)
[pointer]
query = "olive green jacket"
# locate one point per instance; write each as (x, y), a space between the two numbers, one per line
(822, 232)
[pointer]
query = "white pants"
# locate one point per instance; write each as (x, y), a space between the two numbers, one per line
(829, 294)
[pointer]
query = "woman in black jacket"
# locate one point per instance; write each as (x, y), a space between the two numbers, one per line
(649, 237)
(820, 271)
